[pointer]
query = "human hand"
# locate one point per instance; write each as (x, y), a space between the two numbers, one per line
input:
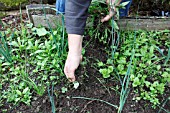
(112, 10)
(71, 65)
(74, 56)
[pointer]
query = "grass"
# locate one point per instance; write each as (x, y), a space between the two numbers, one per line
(2, 14)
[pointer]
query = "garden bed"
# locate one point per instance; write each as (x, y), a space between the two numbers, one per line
(93, 93)
(32, 78)
(92, 85)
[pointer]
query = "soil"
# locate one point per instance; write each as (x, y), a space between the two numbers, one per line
(89, 87)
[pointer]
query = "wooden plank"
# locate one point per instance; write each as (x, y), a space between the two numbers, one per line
(36, 15)
(124, 24)
(150, 23)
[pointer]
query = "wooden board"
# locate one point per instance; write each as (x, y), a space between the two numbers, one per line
(144, 23)
(36, 15)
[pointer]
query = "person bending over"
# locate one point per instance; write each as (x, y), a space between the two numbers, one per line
(75, 20)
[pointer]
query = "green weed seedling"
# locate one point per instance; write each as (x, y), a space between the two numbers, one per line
(37, 60)
(106, 71)
(39, 89)
(148, 75)
(16, 95)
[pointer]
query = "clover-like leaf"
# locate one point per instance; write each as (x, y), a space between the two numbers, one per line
(76, 84)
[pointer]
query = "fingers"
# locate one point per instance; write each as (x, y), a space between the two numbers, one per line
(108, 17)
(71, 65)
(71, 77)
(69, 74)
(112, 11)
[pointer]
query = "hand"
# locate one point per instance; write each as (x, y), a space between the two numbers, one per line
(71, 65)
(74, 56)
(112, 11)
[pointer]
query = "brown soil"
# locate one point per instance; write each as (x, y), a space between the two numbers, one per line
(89, 87)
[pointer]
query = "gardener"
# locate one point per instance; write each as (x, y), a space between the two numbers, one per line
(75, 21)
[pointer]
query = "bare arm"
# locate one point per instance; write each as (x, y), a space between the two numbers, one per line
(74, 56)
(75, 44)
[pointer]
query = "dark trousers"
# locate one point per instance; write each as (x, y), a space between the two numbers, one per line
(76, 12)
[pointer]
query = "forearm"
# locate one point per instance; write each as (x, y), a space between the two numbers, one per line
(75, 44)
(74, 56)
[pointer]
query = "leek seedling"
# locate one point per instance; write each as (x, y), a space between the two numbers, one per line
(4, 49)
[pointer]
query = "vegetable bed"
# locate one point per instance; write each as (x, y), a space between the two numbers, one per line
(122, 70)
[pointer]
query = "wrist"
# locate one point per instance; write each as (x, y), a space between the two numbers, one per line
(75, 44)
